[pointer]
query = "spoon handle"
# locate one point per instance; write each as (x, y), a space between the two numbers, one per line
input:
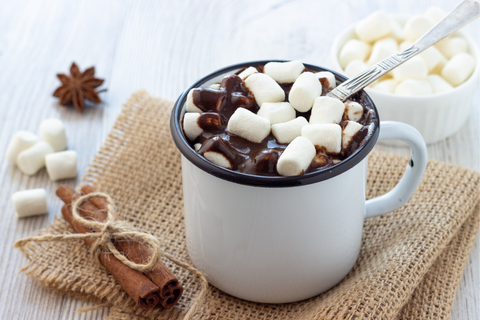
(467, 11)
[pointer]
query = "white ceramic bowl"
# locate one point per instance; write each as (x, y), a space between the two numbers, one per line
(437, 115)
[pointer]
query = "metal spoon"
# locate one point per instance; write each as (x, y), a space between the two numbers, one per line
(466, 12)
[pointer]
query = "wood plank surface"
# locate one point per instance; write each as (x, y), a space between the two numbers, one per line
(162, 47)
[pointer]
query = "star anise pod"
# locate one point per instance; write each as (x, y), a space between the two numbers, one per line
(78, 86)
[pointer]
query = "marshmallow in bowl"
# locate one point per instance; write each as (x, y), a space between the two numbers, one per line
(284, 72)
(438, 84)
(355, 67)
(264, 88)
(415, 27)
(21, 141)
(353, 49)
(287, 131)
(459, 68)
(214, 86)
(327, 110)
(217, 158)
(190, 125)
(451, 46)
(304, 91)
(277, 112)
(376, 26)
(435, 14)
(387, 85)
(247, 72)
(413, 87)
(353, 110)
(349, 132)
(326, 136)
(382, 49)
(190, 106)
(327, 79)
(415, 68)
(296, 157)
(248, 125)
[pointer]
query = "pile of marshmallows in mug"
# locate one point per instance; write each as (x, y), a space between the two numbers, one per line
(30, 154)
(302, 136)
(439, 68)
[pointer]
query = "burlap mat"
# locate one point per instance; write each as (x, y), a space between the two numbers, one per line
(409, 267)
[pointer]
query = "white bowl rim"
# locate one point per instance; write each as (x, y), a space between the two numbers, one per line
(473, 77)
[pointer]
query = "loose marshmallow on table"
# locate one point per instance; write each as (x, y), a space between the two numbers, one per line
(296, 157)
(284, 72)
(451, 46)
(438, 83)
(353, 49)
(61, 165)
(32, 159)
(287, 131)
(355, 67)
(327, 110)
(415, 27)
(247, 72)
(30, 202)
(386, 85)
(22, 140)
(376, 26)
(304, 91)
(329, 79)
(248, 125)
(382, 49)
(353, 110)
(435, 14)
(190, 125)
(264, 88)
(190, 106)
(277, 112)
(458, 68)
(415, 68)
(53, 132)
(327, 136)
(412, 87)
(349, 131)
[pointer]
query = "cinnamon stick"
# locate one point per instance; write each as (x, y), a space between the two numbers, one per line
(170, 289)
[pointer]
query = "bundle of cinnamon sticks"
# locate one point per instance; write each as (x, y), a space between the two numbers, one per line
(159, 286)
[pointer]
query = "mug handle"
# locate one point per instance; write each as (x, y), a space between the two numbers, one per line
(405, 188)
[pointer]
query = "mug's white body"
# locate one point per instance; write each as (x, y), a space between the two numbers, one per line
(274, 245)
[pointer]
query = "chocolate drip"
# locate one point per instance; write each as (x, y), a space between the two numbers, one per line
(264, 163)
(207, 99)
(212, 122)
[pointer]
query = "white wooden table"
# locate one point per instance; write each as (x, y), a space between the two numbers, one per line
(160, 46)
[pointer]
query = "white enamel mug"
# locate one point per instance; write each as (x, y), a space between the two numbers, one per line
(283, 239)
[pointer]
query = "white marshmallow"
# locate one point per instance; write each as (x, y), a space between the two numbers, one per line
(397, 30)
(415, 27)
(439, 67)
(190, 125)
(414, 68)
(327, 136)
(432, 57)
(435, 14)
(377, 25)
(412, 87)
(277, 112)
(190, 106)
(197, 146)
(353, 49)
(30, 202)
(296, 157)
(458, 68)
(22, 140)
(327, 110)
(32, 159)
(248, 125)
(451, 46)
(355, 67)
(386, 85)
(53, 132)
(214, 86)
(330, 77)
(353, 110)
(287, 131)
(61, 165)
(304, 91)
(382, 49)
(349, 131)
(404, 44)
(284, 72)
(438, 83)
(264, 88)
(247, 72)
(218, 158)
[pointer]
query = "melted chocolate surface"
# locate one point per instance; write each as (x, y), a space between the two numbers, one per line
(261, 158)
